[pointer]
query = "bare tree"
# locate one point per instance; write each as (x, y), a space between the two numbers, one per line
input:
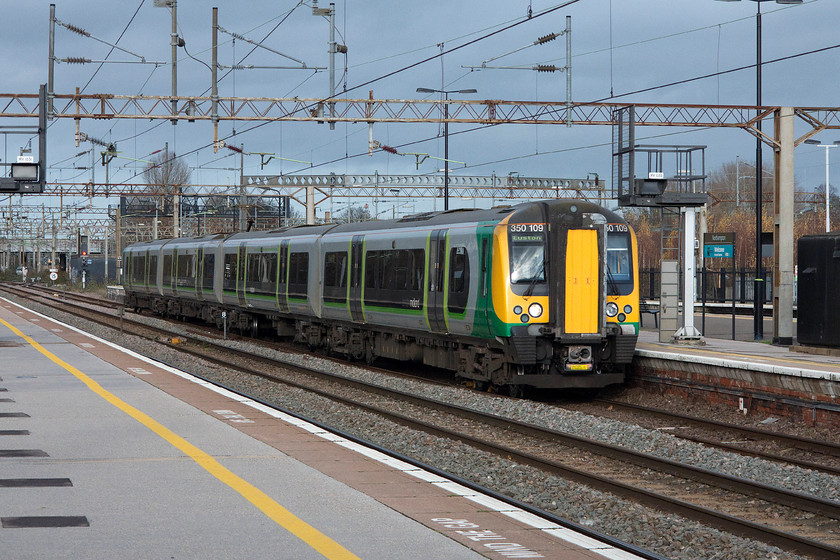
(352, 214)
(166, 175)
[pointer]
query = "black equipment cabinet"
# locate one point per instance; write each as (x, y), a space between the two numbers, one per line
(818, 304)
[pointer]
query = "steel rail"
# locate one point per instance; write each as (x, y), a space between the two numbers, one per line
(803, 444)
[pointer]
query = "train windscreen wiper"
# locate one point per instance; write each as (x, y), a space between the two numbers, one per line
(612, 283)
(540, 273)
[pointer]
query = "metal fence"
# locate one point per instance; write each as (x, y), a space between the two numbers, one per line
(719, 285)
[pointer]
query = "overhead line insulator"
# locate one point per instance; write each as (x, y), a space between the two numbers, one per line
(547, 68)
(546, 38)
(76, 60)
(389, 149)
(76, 29)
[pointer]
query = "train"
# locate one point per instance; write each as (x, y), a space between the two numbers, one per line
(538, 295)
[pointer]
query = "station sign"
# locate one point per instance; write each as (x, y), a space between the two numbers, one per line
(718, 245)
(717, 251)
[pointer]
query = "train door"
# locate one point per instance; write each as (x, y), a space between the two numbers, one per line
(356, 259)
(148, 275)
(198, 271)
(582, 282)
(484, 284)
(437, 264)
(170, 268)
(241, 268)
(283, 276)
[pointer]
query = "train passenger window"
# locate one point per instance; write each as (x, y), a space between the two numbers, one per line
(152, 279)
(372, 259)
(185, 273)
(262, 268)
(229, 280)
(208, 271)
(394, 278)
(459, 279)
(268, 269)
(619, 264)
(335, 277)
(167, 270)
(298, 275)
(335, 270)
(138, 269)
(527, 258)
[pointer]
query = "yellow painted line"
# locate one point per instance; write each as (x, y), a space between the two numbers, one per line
(277, 513)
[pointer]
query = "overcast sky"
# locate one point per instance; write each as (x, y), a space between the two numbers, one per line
(619, 46)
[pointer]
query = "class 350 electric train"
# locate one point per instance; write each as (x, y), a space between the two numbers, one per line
(542, 294)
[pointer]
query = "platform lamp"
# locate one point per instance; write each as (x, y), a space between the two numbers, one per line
(827, 195)
(445, 93)
(758, 299)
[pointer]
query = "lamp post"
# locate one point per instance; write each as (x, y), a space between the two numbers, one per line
(827, 205)
(758, 299)
(445, 93)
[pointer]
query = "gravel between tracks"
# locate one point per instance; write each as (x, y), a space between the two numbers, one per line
(666, 534)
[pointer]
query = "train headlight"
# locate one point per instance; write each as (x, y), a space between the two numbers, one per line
(524, 318)
(535, 310)
(517, 309)
(628, 309)
(612, 309)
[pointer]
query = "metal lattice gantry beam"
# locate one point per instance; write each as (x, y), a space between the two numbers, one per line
(430, 186)
(490, 111)
(360, 186)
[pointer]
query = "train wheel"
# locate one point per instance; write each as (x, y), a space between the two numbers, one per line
(516, 391)
(480, 385)
(370, 357)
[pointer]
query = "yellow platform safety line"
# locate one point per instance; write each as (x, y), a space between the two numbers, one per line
(277, 513)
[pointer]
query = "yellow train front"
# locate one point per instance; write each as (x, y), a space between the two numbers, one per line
(565, 295)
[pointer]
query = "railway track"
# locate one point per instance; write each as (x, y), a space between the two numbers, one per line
(771, 445)
(62, 292)
(791, 520)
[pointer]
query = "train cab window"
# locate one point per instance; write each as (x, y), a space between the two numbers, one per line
(527, 258)
(208, 271)
(459, 279)
(619, 264)
(335, 277)
(298, 275)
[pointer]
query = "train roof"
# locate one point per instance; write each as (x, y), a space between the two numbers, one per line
(470, 215)
(430, 219)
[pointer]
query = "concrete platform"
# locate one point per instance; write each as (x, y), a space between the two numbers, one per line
(106, 454)
(752, 375)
